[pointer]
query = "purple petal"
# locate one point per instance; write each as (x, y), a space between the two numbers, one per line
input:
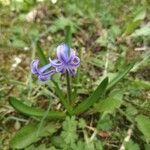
(55, 63)
(75, 62)
(71, 71)
(44, 68)
(46, 76)
(72, 55)
(61, 69)
(63, 53)
(34, 67)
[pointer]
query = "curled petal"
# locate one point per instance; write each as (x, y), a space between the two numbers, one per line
(34, 67)
(55, 63)
(44, 68)
(46, 76)
(42, 72)
(75, 62)
(72, 55)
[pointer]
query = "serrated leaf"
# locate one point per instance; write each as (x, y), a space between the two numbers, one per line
(28, 135)
(93, 98)
(143, 124)
(82, 123)
(31, 111)
(69, 130)
(104, 123)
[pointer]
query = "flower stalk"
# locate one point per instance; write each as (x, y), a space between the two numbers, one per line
(68, 88)
(68, 38)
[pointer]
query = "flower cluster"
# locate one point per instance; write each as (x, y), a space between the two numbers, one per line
(67, 61)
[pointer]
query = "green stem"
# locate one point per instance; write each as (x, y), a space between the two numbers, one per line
(68, 88)
(68, 36)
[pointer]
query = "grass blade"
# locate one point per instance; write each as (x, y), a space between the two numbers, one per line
(41, 54)
(31, 111)
(120, 76)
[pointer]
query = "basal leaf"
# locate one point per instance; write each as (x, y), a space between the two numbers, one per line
(31, 111)
(93, 98)
(28, 135)
(25, 137)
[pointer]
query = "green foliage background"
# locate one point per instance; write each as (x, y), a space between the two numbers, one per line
(108, 35)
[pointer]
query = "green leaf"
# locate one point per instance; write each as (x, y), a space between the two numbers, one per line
(41, 54)
(17, 43)
(69, 130)
(82, 123)
(131, 146)
(61, 23)
(31, 111)
(147, 146)
(104, 123)
(96, 95)
(131, 27)
(28, 135)
(143, 124)
(96, 62)
(131, 110)
(109, 104)
(120, 75)
(135, 22)
(140, 15)
(143, 31)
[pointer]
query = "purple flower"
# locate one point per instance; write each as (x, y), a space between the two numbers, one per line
(43, 73)
(67, 60)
